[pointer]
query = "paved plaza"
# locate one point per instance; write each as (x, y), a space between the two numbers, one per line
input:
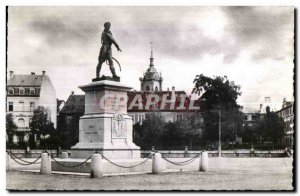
(274, 174)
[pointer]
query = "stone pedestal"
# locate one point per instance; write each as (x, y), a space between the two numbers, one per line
(106, 126)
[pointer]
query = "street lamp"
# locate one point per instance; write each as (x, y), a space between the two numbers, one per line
(220, 148)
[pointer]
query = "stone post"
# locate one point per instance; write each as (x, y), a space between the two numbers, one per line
(186, 151)
(200, 162)
(158, 164)
(8, 162)
(204, 161)
(96, 166)
(153, 148)
(64, 155)
(45, 163)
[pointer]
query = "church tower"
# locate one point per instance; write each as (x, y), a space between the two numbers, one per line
(152, 80)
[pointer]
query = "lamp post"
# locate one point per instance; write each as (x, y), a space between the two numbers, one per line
(219, 148)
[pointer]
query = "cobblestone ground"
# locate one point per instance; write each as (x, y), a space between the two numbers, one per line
(246, 178)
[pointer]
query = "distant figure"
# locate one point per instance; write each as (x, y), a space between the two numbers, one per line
(105, 52)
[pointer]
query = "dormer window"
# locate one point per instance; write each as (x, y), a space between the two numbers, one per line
(16, 90)
(22, 91)
(10, 91)
(32, 91)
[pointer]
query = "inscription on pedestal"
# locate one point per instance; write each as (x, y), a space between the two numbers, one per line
(91, 134)
(119, 126)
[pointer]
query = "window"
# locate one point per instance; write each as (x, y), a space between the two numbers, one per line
(156, 88)
(27, 91)
(21, 104)
(179, 117)
(32, 91)
(22, 91)
(10, 91)
(147, 88)
(10, 106)
(16, 90)
(32, 105)
(37, 90)
(21, 122)
(133, 119)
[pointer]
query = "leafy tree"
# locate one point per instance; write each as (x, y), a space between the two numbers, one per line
(42, 126)
(219, 94)
(272, 127)
(191, 128)
(40, 123)
(152, 129)
(10, 125)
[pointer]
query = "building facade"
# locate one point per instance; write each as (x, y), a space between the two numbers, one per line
(173, 105)
(287, 113)
(24, 93)
(151, 80)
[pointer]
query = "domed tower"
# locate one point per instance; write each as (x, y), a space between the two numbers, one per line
(152, 80)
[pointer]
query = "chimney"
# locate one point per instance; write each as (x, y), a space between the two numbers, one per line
(72, 93)
(260, 107)
(11, 73)
(173, 88)
(32, 73)
(168, 89)
(43, 73)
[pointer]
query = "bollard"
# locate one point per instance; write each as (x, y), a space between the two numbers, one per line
(204, 162)
(186, 149)
(64, 155)
(96, 166)
(200, 162)
(8, 162)
(158, 165)
(45, 164)
(153, 148)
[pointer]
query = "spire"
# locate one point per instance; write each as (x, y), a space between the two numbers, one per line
(151, 57)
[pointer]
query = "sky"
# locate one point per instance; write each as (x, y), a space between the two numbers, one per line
(252, 46)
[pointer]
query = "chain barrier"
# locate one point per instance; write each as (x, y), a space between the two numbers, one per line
(182, 163)
(69, 166)
(25, 162)
(132, 166)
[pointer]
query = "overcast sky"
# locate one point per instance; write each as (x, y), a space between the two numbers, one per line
(253, 46)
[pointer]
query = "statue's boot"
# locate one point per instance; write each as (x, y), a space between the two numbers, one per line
(113, 71)
(98, 70)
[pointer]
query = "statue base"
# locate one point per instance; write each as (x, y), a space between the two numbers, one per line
(103, 77)
(106, 125)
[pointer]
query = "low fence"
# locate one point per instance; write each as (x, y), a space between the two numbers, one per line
(225, 153)
(176, 153)
(96, 168)
(31, 153)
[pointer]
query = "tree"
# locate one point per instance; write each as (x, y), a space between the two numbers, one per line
(42, 125)
(191, 128)
(272, 127)
(217, 91)
(10, 125)
(219, 94)
(151, 130)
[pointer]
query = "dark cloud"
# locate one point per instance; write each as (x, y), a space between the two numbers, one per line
(59, 32)
(264, 29)
(174, 30)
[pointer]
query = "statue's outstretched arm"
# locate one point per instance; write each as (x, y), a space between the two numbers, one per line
(114, 42)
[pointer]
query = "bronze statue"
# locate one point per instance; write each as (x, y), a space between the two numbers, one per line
(105, 51)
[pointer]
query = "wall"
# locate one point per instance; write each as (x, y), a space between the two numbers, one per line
(48, 98)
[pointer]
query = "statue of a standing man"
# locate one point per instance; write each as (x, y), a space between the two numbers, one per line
(105, 52)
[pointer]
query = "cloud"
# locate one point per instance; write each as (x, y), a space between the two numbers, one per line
(266, 32)
(61, 33)
(242, 42)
